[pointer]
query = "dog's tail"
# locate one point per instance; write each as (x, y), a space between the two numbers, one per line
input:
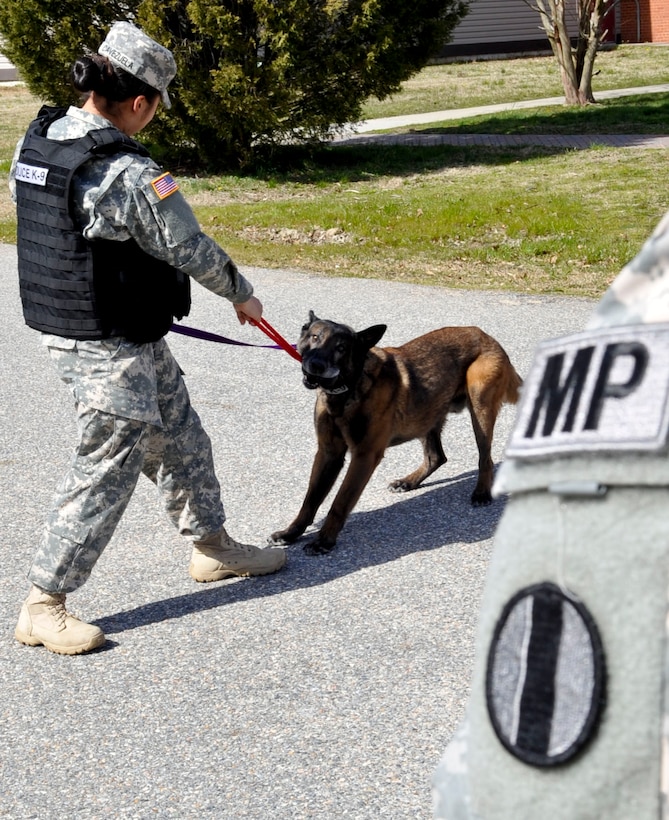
(513, 385)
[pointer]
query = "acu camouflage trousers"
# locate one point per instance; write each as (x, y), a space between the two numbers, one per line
(134, 416)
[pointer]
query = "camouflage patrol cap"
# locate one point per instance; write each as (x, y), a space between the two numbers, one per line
(129, 48)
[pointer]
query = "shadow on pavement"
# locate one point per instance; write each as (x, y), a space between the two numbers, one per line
(436, 517)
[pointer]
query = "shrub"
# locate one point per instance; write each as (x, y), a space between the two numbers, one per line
(252, 73)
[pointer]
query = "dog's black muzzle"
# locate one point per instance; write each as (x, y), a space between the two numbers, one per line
(327, 382)
(316, 372)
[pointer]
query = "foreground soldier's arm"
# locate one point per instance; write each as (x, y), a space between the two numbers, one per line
(568, 714)
(640, 293)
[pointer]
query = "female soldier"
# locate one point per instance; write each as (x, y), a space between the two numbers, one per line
(106, 246)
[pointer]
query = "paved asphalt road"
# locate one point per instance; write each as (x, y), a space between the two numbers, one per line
(326, 691)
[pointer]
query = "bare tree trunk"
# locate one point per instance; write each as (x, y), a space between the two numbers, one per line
(576, 68)
(591, 35)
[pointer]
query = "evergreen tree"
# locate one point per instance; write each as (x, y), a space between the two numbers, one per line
(250, 72)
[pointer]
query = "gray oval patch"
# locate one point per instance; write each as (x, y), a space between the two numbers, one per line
(546, 676)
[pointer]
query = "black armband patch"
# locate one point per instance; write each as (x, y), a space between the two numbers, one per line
(546, 676)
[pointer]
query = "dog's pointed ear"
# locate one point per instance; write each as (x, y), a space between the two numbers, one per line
(312, 318)
(368, 338)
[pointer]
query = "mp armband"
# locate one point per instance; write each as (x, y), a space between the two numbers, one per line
(599, 390)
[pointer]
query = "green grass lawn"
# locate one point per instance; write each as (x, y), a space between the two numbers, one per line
(526, 220)
(486, 82)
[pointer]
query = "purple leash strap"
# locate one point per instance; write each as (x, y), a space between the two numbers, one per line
(206, 336)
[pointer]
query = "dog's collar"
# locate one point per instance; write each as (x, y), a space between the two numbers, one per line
(337, 391)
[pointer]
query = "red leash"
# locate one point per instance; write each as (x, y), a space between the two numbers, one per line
(275, 336)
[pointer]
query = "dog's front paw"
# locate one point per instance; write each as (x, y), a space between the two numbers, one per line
(481, 498)
(280, 537)
(318, 546)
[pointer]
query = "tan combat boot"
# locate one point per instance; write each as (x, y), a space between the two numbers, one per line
(45, 621)
(218, 556)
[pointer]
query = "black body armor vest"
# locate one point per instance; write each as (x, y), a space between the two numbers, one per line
(71, 286)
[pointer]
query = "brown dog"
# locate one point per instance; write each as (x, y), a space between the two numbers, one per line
(371, 398)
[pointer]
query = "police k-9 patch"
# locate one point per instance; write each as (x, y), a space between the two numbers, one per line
(32, 174)
(603, 389)
(164, 185)
(546, 676)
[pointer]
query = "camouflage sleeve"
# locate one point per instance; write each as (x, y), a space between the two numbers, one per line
(205, 260)
(12, 170)
(640, 292)
(146, 203)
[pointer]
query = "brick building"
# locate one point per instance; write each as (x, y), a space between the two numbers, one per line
(499, 27)
(644, 21)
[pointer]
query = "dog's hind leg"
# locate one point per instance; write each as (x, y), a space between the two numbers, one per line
(484, 403)
(433, 458)
(483, 432)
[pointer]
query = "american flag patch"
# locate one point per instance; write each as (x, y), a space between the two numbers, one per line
(164, 185)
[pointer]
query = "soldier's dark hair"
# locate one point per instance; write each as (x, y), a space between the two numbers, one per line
(96, 73)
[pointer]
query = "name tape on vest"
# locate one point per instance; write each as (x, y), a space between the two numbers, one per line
(31, 173)
(600, 390)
